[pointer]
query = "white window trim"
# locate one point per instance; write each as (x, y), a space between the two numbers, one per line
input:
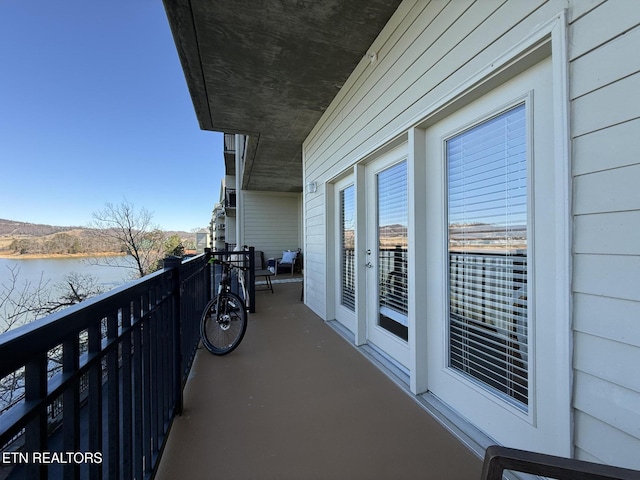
(551, 36)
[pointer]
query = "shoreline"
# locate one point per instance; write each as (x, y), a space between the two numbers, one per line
(48, 256)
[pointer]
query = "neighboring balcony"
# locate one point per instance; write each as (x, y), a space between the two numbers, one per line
(230, 202)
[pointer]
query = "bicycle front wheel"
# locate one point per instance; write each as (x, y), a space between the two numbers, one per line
(223, 331)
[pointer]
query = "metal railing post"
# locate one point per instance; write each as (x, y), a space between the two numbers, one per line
(252, 280)
(208, 274)
(174, 264)
(35, 376)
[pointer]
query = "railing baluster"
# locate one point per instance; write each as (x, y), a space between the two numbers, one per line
(95, 396)
(156, 332)
(71, 404)
(174, 286)
(36, 431)
(252, 279)
(127, 409)
(138, 393)
(113, 399)
(168, 351)
(147, 413)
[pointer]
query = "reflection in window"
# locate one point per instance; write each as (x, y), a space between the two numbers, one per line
(347, 247)
(487, 220)
(392, 249)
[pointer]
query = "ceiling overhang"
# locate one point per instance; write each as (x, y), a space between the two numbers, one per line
(269, 69)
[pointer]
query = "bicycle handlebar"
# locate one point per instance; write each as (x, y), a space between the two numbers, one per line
(239, 264)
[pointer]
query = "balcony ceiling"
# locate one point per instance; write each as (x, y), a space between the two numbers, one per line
(269, 69)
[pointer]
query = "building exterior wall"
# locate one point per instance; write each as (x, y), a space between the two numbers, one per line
(271, 222)
(427, 53)
(605, 75)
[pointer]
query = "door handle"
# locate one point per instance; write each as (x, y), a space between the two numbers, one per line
(369, 265)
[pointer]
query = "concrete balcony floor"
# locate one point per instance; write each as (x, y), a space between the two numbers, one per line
(297, 401)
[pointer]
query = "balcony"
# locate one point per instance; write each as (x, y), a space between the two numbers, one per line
(295, 400)
(229, 153)
(230, 202)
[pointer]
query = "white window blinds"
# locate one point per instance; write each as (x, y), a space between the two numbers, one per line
(487, 220)
(392, 249)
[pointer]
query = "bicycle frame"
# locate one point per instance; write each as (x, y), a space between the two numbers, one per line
(225, 282)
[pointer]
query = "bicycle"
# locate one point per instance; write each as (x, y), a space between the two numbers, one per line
(224, 320)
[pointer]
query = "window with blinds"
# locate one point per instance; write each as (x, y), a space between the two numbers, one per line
(347, 247)
(392, 249)
(487, 222)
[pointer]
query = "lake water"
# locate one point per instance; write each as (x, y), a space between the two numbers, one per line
(54, 270)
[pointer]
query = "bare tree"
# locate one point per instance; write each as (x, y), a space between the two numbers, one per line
(134, 230)
(17, 300)
(21, 303)
(75, 288)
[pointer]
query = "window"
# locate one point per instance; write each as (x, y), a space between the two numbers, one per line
(347, 248)
(487, 253)
(392, 225)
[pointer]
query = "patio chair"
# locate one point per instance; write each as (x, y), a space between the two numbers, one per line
(260, 270)
(288, 261)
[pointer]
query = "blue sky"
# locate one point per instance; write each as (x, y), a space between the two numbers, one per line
(94, 108)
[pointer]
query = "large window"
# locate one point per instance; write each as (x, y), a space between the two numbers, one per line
(487, 245)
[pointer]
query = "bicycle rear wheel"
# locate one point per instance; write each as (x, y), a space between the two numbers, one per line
(222, 333)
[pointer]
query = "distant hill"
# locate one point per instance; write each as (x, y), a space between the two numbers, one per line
(11, 227)
(30, 238)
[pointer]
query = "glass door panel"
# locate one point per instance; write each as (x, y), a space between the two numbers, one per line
(487, 223)
(347, 248)
(392, 221)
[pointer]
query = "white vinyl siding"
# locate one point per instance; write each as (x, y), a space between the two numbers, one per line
(271, 222)
(605, 79)
(315, 252)
(428, 50)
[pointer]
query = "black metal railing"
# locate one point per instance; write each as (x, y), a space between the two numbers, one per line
(125, 357)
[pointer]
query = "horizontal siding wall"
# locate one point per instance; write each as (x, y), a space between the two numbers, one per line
(605, 112)
(271, 222)
(315, 250)
(430, 48)
(426, 50)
